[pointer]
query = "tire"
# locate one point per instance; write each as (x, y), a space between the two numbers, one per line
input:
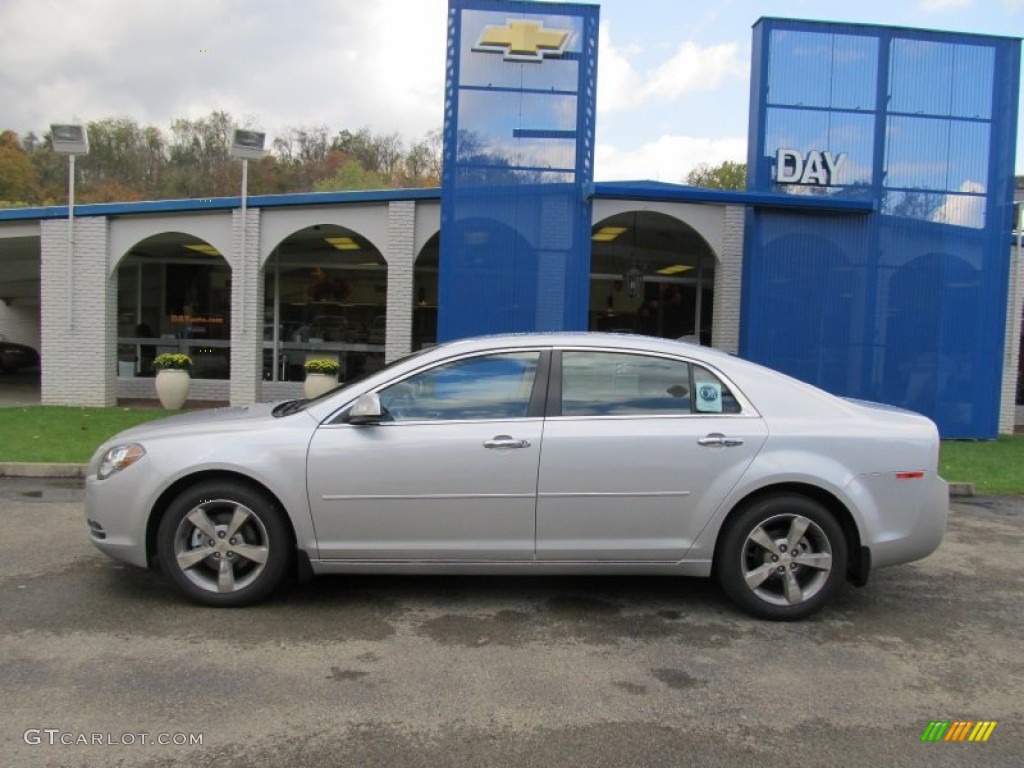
(755, 565)
(223, 543)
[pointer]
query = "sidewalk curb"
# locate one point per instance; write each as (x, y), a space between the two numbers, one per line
(960, 490)
(41, 470)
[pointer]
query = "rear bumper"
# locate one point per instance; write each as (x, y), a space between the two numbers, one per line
(919, 515)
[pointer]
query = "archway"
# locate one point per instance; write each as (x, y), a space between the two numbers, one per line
(424, 294)
(651, 274)
(174, 295)
(325, 297)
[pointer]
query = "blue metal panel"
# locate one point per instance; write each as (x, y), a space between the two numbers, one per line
(518, 150)
(906, 305)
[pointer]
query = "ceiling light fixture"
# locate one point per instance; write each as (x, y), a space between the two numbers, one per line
(343, 243)
(607, 234)
(206, 250)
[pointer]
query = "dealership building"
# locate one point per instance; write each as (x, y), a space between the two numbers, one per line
(872, 254)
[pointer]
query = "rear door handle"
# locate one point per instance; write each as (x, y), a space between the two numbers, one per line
(717, 438)
(506, 442)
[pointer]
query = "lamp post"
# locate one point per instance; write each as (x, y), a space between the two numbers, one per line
(70, 140)
(246, 145)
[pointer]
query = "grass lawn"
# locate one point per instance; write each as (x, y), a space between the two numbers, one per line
(993, 466)
(63, 434)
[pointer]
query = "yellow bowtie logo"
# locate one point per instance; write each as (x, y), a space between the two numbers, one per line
(523, 41)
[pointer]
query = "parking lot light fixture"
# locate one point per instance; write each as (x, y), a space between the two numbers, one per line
(246, 145)
(70, 139)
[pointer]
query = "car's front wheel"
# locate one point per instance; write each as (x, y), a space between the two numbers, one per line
(782, 557)
(223, 543)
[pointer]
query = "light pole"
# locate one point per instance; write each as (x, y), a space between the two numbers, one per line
(247, 145)
(70, 140)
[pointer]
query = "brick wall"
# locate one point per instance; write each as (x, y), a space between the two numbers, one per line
(247, 287)
(1011, 357)
(400, 256)
(78, 310)
(725, 333)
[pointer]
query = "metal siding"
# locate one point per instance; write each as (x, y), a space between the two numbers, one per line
(518, 150)
(907, 305)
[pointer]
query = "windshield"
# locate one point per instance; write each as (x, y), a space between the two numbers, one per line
(295, 406)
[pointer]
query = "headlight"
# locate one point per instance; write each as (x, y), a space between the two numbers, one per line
(118, 458)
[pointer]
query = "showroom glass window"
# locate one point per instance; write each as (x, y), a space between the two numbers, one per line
(485, 387)
(621, 384)
(174, 298)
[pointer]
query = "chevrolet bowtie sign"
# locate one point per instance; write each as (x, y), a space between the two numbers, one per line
(523, 41)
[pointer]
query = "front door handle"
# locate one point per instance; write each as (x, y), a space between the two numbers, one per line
(505, 442)
(717, 438)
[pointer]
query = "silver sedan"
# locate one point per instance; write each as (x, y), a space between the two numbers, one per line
(554, 454)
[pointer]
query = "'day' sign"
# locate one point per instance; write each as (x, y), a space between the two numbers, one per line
(816, 168)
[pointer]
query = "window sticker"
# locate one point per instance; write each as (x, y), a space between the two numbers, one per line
(709, 397)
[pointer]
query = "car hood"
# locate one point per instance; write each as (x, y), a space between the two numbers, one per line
(199, 420)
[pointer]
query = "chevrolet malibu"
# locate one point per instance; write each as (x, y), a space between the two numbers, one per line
(531, 454)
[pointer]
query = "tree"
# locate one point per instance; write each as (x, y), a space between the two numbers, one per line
(727, 175)
(199, 161)
(351, 175)
(18, 177)
(124, 160)
(913, 204)
(423, 162)
(131, 162)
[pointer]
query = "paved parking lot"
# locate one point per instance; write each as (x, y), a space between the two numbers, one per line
(502, 671)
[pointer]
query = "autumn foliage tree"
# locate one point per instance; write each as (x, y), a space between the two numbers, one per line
(18, 177)
(127, 161)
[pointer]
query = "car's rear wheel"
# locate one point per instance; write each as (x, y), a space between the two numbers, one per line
(782, 557)
(223, 543)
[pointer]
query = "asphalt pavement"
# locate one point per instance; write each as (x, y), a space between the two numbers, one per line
(446, 671)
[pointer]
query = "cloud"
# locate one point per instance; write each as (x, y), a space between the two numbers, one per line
(941, 6)
(691, 67)
(669, 158)
(963, 210)
(378, 63)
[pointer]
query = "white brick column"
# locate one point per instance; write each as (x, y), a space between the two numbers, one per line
(78, 311)
(1011, 356)
(401, 258)
(246, 310)
(725, 331)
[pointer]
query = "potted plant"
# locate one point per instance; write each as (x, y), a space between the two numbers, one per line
(173, 378)
(321, 376)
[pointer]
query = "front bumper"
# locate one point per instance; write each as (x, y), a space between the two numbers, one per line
(116, 514)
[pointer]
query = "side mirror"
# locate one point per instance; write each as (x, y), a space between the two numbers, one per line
(366, 410)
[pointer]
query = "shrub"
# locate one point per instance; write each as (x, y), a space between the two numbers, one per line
(323, 365)
(172, 361)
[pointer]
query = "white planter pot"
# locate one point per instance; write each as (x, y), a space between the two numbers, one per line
(318, 383)
(172, 388)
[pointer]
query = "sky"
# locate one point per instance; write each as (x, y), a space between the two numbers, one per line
(673, 75)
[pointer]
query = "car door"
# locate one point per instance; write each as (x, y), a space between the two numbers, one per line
(639, 451)
(450, 473)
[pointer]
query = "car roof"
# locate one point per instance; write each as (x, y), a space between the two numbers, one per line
(623, 341)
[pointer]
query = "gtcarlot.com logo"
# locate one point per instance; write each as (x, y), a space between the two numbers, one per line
(56, 737)
(958, 730)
